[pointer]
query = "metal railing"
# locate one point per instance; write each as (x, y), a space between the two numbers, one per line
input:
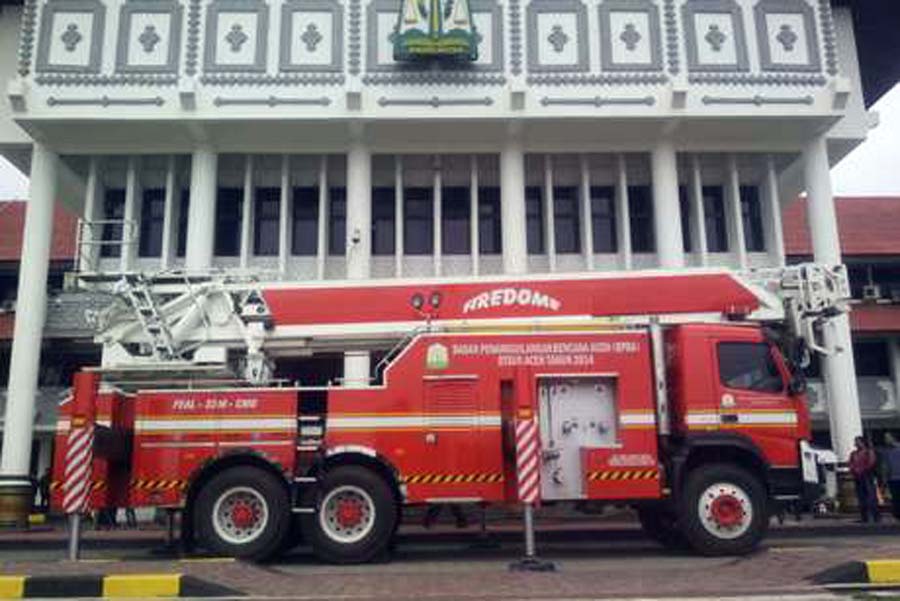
(94, 236)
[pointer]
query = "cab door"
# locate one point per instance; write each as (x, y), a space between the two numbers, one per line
(753, 397)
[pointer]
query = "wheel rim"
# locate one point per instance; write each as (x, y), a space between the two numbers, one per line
(240, 515)
(347, 514)
(725, 510)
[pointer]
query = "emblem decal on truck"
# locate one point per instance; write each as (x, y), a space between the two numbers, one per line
(437, 357)
(509, 297)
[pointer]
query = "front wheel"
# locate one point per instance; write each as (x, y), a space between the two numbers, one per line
(356, 515)
(242, 512)
(723, 510)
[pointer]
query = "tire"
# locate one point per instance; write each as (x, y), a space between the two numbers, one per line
(661, 524)
(723, 510)
(243, 512)
(364, 530)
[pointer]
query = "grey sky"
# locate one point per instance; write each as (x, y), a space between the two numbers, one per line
(872, 169)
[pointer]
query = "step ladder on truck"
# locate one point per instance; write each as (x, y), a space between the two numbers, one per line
(678, 393)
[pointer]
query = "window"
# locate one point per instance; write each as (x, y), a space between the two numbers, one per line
(418, 221)
(534, 220)
(383, 220)
(603, 219)
(455, 218)
(490, 236)
(684, 203)
(640, 204)
(751, 216)
(228, 222)
(337, 223)
(265, 227)
(183, 211)
(714, 219)
(872, 358)
(748, 366)
(305, 222)
(566, 220)
(113, 210)
(153, 209)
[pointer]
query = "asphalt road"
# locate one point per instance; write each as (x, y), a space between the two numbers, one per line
(593, 560)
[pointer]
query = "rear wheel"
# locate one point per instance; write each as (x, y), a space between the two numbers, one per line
(661, 524)
(723, 510)
(355, 518)
(242, 512)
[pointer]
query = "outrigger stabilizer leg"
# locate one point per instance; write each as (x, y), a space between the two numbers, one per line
(531, 562)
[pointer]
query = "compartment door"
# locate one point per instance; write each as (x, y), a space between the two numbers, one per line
(576, 413)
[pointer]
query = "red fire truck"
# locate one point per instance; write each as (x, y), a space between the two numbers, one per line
(676, 393)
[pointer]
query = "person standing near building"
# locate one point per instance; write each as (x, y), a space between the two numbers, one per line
(862, 466)
(891, 461)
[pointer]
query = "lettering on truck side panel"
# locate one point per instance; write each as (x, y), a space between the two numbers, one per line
(214, 404)
(509, 297)
(544, 354)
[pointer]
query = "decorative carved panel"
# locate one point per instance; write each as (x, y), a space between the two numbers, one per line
(149, 36)
(236, 35)
(311, 35)
(71, 37)
(630, 36)
(786, 36)
(557, 37)
(714, 34)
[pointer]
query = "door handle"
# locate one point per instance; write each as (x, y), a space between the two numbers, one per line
(431, 438)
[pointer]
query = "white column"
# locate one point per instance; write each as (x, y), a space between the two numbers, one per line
(772, 208)
(398, 216)
(587, 223)
(247, 213)
(474, 214)
(549, 216)
(512, 207)
(284, 216)
(131, 230)
(698, 214)
(359, 243)
(736, 240)
(839, 369)
(202, 211)
(170, 219)
(437, 195)
(29, 324)
(359, 211)
(322, 224)
(666, 209)
(623, 213)
(894, 355)
(90, 234)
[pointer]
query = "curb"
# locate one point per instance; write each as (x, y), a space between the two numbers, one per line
(876, 571)
(111, 586)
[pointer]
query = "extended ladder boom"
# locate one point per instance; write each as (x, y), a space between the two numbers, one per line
(200, 324)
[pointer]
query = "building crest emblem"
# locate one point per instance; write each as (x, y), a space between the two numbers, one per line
(435, 30)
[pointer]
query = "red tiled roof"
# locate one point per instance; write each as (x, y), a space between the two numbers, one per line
(875, 318)
(868, 226)
(12, 222)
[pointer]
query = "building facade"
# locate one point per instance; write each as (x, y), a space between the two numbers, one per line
(282, 138)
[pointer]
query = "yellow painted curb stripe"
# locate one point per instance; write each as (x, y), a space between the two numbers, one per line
(12, 587)
(883, 571)
(142, 585)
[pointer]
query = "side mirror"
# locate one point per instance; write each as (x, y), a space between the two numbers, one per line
(797, 385)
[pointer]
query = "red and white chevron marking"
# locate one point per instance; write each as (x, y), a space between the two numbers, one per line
(528, 461)
(77, 475)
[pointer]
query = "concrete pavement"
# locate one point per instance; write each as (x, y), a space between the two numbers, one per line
(595, 559)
